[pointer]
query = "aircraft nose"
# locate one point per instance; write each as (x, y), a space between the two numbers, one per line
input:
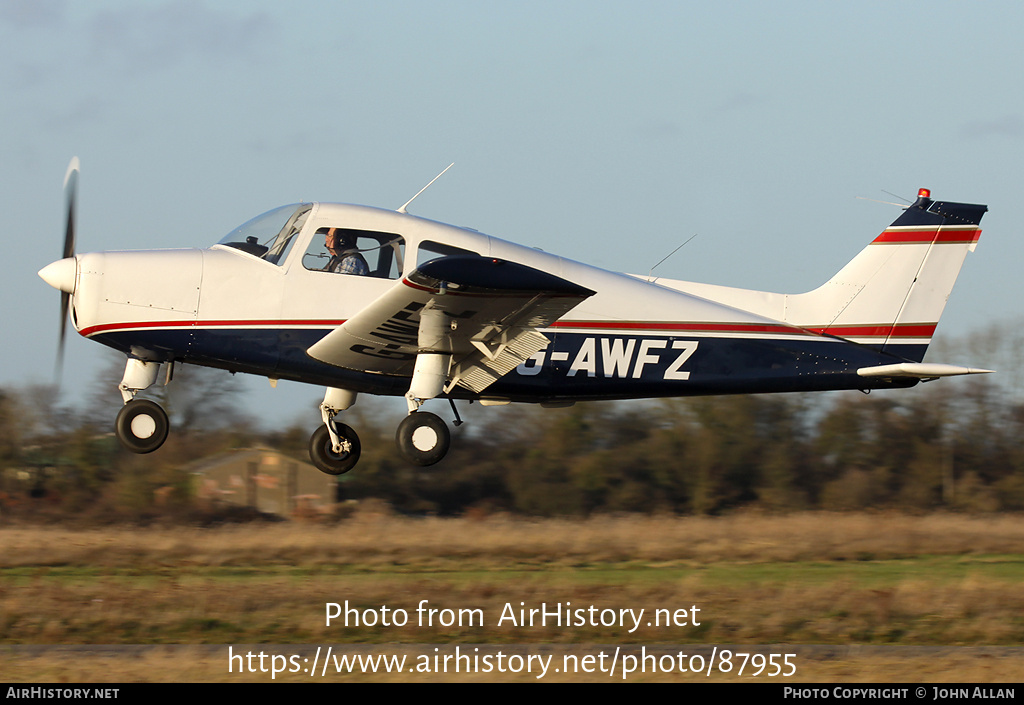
(61, 274)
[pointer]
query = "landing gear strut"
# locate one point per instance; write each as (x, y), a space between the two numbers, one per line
(422, 437)
(141, 425)
(334, 447)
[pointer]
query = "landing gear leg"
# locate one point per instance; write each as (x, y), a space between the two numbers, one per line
(422, 437)
(141, 425)
(334, 447)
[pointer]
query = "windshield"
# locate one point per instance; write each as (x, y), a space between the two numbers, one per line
(269, 236)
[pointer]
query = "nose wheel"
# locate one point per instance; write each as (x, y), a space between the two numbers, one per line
(142, 426)
(323, 455)
(423, 438)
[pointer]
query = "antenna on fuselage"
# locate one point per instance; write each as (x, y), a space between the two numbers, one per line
(895, 195)
(406, 205)
(904, 206)
(650, 275)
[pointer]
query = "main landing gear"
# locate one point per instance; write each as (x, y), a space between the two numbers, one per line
(334, 447)
(323, 455)
(423, 438)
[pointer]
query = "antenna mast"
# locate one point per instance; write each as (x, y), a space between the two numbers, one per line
(650, 275)
(406, 205)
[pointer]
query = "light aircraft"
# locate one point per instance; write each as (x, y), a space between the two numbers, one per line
(437, 311)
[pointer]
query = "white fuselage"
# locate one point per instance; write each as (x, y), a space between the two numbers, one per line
(243, 311)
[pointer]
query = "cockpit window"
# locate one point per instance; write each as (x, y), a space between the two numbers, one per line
(269, 236)
(348, 251)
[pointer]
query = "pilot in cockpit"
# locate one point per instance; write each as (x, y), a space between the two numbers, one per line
(345, 258)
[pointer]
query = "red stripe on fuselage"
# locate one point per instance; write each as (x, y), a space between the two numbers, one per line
(107, 327)
(683, 327)
(868, 330)
(880, 330)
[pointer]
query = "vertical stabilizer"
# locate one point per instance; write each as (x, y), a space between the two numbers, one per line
(893, 293)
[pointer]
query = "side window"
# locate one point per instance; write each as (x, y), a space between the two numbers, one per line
(358, 252)
(429, 250)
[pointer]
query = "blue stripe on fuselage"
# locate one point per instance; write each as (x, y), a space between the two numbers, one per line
(574, 366)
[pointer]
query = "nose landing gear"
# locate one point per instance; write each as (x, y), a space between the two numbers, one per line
(141, 425)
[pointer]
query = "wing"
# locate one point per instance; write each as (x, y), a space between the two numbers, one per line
(484, 312)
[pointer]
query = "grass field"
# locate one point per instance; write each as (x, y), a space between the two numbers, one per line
(893, 583)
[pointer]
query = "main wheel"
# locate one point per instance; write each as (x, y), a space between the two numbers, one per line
(142, 426)
(321, 450)
(423, 438)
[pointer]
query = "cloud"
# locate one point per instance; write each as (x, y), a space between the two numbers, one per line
(32, 14)
(150, 37)
(659, 129)
(1006, 126)
(741, 101)
(69, 116)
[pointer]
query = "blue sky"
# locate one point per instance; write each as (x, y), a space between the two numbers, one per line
(605, 131)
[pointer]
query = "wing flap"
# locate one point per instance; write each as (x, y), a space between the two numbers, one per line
(476, 373)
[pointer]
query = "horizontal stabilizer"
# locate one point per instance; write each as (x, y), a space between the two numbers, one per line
(921, 370)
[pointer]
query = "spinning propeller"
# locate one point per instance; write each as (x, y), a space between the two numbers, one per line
(62, 273)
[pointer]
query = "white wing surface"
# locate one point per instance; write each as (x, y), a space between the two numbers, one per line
(486, 313)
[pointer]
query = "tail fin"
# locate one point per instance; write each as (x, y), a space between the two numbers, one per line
(892, 294)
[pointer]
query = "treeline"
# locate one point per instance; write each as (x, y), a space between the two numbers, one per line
(951, 444)
(929, 450)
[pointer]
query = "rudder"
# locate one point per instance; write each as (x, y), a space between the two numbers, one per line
(893, 293)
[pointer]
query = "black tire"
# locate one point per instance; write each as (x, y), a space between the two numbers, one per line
(142, 426)
(321, 451)
(423, 438)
